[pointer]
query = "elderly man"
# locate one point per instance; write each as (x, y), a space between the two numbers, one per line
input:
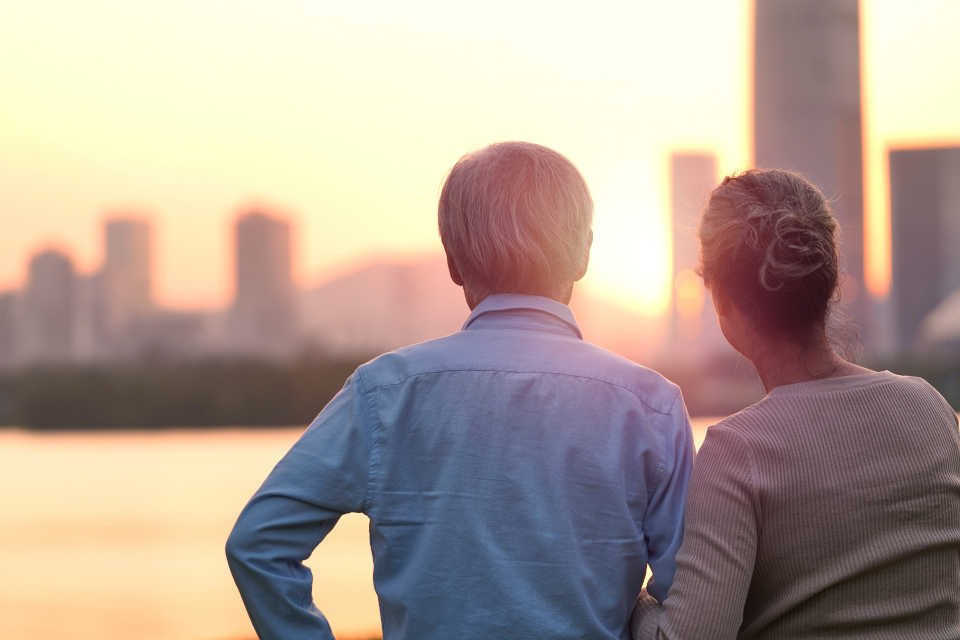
(518, 480)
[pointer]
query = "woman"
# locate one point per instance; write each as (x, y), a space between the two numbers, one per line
(831, 508)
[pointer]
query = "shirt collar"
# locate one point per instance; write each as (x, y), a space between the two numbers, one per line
(501, 303)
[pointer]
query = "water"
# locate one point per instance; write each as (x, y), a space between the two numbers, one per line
(120, 535)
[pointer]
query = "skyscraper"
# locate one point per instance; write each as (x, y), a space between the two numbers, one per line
(807, 112)
(925, 230)
(127, 282)
(92, 340)
(7, 328)
(693, 176)
(264, 308)
(46, 326)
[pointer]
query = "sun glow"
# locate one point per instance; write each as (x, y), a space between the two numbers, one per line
(350, 114)
(630, 255)
(690, 293)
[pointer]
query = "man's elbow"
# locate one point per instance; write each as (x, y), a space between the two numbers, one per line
(240, 543)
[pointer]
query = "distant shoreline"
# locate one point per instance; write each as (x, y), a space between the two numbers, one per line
(254, 394)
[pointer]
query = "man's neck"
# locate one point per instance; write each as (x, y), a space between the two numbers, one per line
(563, 295)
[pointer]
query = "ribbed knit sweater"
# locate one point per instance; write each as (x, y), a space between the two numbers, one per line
(829, 509)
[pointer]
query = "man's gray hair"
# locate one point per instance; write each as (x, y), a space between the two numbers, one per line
(515, 217)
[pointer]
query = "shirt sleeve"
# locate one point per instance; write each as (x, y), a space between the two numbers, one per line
(323, 476)
(663, 521)
(716, 562)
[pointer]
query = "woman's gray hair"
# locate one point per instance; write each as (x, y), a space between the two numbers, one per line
(768, 243)
(515, 217)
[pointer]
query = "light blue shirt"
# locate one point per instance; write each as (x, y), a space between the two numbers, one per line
(518, 481)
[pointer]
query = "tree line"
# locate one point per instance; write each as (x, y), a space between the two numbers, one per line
(235, 392)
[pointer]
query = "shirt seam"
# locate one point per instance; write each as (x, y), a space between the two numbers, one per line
(612, 383)
(373, 448)
(661, 457)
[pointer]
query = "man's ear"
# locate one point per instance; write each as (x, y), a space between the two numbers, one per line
(454, 273)
(586, 258)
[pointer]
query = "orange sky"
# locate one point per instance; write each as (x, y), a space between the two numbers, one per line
(349, 115)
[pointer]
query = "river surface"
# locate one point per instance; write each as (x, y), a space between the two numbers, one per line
(113, 535)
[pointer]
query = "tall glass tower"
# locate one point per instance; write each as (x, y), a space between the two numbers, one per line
(806, 113)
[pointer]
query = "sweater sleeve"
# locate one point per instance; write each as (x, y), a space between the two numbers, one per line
(716, 561)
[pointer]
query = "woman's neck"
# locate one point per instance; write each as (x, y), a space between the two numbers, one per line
(779, 361)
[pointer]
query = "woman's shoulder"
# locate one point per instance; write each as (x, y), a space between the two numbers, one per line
(746, 421)
(925, 393)
(793, 412)
(736, 435)
(912, 394)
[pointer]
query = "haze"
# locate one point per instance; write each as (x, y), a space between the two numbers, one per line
(348, 115)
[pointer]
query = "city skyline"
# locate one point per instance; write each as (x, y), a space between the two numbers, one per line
(106, 317)
(359, 149)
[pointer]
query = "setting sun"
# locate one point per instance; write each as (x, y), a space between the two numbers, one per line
(630, 254)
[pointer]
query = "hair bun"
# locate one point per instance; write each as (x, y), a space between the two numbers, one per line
(767, 241)
(794, 251)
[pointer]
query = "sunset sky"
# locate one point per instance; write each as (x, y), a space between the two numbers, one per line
(347, 116)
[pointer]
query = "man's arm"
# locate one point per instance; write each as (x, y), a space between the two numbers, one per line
(323, 476)
(715, 564)
(663, 521)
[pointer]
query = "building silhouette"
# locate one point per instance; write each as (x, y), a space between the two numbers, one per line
(925, 228)
(264, 312)
(91, 339)
(126, 280)
(692, 322)
(47, 320)
(807, 113)
(8, 311)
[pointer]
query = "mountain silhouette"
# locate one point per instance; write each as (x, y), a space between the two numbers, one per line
(387, 303)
